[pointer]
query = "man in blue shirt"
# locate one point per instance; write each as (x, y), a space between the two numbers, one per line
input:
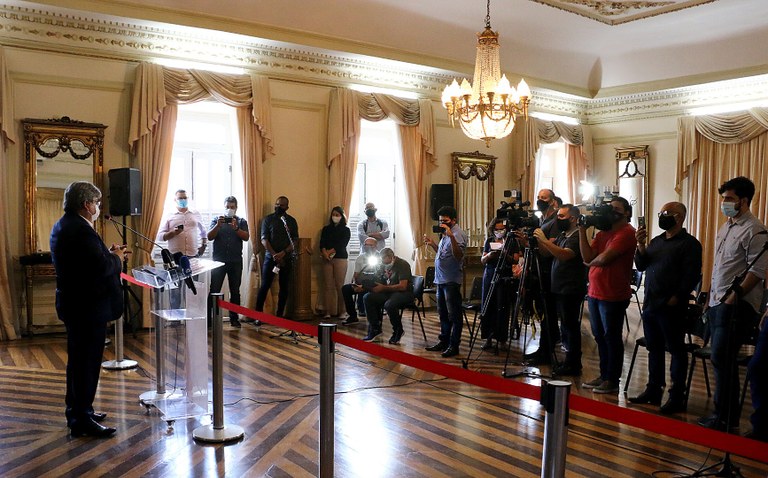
(448, 277)
(228, 233)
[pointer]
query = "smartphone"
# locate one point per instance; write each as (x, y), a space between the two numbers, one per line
(180, 227)
(641, 222)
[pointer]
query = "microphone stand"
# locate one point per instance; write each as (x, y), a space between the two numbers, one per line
(120, 363)
(728, 467)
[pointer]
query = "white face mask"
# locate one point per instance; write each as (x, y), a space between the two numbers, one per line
(95, 215)
(729, 209)
(230, 213)
(499, 234)
(388, 266)
(335, 219)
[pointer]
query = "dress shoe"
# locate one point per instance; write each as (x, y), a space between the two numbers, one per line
(89, 428)
(673, 405)
(98, 417)
(607, 386)
(650, 396)
(450, 352)
(567, 370)
(537, 358)
(234, 323)
(438, 347)
(349, 320)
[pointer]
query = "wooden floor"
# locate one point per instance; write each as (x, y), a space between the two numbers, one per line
(391, 420)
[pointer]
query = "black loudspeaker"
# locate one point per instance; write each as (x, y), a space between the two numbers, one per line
(440, 195)
(124, 192)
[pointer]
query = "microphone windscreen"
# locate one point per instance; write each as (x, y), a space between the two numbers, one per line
(166, 255)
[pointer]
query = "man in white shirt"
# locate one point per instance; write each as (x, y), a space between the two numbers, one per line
(184, 229)
(373, 227)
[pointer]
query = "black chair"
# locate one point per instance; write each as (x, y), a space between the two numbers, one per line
(418, 301)
(634, 284)
(474, 303)
(429, 281)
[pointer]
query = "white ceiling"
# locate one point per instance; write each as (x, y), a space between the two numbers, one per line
(551, 47)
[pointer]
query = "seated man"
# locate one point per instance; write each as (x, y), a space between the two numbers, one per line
(366, 265)
(393, 290)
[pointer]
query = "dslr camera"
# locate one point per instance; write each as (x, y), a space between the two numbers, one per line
(514, 213)
(438, 229)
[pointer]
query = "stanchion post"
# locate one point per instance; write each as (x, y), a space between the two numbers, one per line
(554, 397)
(120, 363)
(217, 432)
(327, 395)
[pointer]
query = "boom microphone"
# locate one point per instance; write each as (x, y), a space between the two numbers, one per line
(165, 253)
(185, 268)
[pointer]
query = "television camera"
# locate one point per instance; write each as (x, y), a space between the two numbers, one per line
(514, 213)
(601, 215)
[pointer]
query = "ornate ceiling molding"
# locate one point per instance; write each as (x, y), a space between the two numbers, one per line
(612, 12)
(122, 39)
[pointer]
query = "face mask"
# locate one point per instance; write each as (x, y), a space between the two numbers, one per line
(369, 249)
(563, 224)
(336, 219)
(95, 214)
(182, 203)
(667, 222)
(498, 234)
(230, 213)
(279, 211)
(617, 216)
(729, 209)
(370, 212)
(388, 267)
(542, 205)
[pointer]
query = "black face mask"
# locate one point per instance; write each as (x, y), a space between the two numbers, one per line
(563, 224)
(617, 216)
(370, 212)
(542, 205)
(667, 222)
(279, 211)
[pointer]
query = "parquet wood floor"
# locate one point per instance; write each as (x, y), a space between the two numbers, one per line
(390, 420)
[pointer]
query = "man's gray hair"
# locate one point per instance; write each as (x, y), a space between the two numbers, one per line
(387, 252)
(78, 193)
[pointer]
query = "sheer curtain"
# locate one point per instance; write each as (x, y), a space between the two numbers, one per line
(7, 136)
(711, 150)
(535, 132)
(417, 137)
(157, 93)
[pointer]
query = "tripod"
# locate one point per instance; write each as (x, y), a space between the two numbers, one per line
(498, 275)
(727, 467)
(530, 261)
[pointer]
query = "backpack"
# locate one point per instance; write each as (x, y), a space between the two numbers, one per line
(378, 223)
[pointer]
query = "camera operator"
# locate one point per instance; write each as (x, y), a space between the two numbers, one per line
(494, 323)
(672, 265)
(569, 279)
(609, 258)
(738, 242)
(448, 277)
(366, 267)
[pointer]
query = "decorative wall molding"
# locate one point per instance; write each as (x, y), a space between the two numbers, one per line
(612, 12)
(80, 33)
(633, 139)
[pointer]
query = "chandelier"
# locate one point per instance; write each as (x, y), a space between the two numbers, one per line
(487, 109)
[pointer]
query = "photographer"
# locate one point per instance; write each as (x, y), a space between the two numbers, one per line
(448, 278)
(672, 265)
(494, 323)
(568, 283)
(392, 290)
(366, 266)
(228, 233)
(609, 258)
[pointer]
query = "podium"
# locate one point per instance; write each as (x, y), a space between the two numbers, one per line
(181, 340)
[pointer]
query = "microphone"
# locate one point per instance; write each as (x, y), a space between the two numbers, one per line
(185, 268)
(165, 253)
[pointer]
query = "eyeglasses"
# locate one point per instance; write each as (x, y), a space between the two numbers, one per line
(96, 202)
(667, 213)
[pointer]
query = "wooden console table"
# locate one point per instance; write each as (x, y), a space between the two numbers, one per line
(32, 274)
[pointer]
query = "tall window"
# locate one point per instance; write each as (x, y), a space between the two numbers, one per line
(552, 170)
(379, 180)
(205, 149)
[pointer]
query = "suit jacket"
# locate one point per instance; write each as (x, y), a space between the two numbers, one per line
(87, 275)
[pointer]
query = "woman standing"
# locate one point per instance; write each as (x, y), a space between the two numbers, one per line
(333, 249)
(494, 324)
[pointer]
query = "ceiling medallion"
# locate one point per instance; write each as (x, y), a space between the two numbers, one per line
(612, 12)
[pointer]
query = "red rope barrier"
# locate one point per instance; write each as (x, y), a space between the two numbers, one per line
(133, 281)
(670, 427)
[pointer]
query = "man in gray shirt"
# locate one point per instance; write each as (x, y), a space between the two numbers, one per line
(738, 243)
(373, 227)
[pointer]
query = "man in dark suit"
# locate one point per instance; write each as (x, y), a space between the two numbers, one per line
(88, 295)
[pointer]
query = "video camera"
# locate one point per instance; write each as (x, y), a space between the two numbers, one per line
(601, 215)
(514, 212)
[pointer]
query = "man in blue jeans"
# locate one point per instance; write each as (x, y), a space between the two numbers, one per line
(733, 308)
(448, 277)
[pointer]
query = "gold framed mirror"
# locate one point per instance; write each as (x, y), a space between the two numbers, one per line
(632, 179)
(473, 190)
(57, 152)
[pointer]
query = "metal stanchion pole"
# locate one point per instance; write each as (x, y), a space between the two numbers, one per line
(217, 432)
(119, 363)
(554, 397)
(327, 392)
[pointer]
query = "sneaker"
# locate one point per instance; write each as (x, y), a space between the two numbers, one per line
(396, 336)
(349, 320)
(256, 323)
(592, 383)
(371, 335)
(607, 387)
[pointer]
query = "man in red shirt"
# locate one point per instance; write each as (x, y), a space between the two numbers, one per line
(609, 258)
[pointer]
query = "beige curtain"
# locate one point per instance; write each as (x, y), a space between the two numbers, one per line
(7, 136)
(711, 150)
(157, 92)
(535, 132)
(417, 136)
(473, 203)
